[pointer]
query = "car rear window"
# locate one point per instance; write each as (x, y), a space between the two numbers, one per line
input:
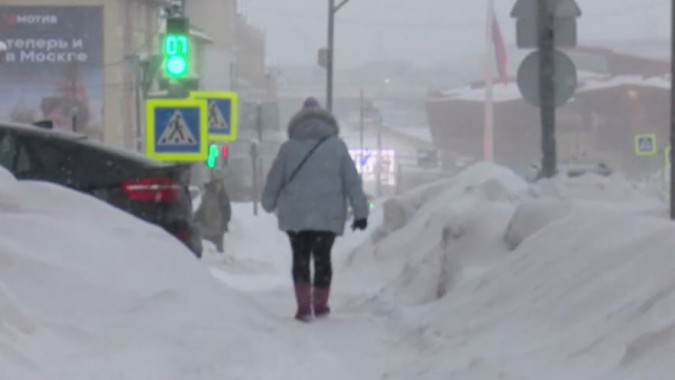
(124, 155)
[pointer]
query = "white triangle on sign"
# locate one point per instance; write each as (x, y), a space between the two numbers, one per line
(177, 132)
(216, 118)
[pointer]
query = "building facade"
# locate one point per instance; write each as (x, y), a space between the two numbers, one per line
(72, 62)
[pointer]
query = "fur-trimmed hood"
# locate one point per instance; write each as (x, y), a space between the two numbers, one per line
(311, 124)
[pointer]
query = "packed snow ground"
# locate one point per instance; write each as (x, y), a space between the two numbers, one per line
(478, 277)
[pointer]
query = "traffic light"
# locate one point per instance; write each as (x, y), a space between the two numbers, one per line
(214, 152)
(176, 47)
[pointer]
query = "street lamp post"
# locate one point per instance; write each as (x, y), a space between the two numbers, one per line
(332, 10)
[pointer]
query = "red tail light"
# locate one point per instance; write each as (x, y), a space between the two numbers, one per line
(153, 190)
(183, 235)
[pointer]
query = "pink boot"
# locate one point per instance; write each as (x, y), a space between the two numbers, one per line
(303, 296)
(321, 308)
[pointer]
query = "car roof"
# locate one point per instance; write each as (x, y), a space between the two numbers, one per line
(83, 140)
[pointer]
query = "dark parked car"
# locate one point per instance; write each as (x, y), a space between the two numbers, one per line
(154, 191)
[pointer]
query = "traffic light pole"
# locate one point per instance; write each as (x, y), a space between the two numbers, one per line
(332, 10)
(547, 88)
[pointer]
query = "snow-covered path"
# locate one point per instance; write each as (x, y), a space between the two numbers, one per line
(353, 343)
(450, 283)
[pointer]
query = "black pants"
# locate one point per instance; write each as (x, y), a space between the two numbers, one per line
(312, 244)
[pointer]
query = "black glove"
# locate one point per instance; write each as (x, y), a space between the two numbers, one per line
(360, 224)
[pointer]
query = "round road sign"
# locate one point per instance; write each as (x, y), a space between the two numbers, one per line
(564, 80)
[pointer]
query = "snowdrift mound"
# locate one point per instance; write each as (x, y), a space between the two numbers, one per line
(590, 296)
(614, 191)
(533, 215)
(445, 226)
(495, 181)
(89, 292)
(570, 278)
(551, 199)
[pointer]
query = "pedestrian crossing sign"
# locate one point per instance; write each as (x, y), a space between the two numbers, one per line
(177, 129)
(645, 145)
(222, 114)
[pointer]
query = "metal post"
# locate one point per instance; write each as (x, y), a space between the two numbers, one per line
(361, 131)
(547, 88)
(672, 117)
(139, 102)
(399, 177)
(331, 49)
(332, 10)
(259, 121)
(378, 168)
(254, 164)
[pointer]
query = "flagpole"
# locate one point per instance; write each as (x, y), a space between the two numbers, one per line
(488, 133)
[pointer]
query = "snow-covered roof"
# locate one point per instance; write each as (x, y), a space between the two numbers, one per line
(587, 82)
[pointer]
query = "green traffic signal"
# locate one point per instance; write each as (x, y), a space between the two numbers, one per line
(176, 53)
(213, 156)
(176, 66)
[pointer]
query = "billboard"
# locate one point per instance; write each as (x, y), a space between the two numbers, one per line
(367, 163)
(51, 65)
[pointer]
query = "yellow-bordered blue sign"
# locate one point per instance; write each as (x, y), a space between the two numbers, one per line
(667, 154)
(645, 145)
(222, 114)
(177, 129)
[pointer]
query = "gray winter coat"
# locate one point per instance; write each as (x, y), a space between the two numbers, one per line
(316, 199)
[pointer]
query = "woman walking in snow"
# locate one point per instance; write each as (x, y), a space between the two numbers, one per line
(309, 185)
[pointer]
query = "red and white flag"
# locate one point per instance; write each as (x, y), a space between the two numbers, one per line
(500, 49)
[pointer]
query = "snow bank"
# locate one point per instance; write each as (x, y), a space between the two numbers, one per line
(531, 216)
(89, 292)
(571, 278)
(495, 182)
(551, 199)
(428, 234)
(588, 297)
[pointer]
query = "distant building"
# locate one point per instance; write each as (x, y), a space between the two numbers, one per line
(618, 97)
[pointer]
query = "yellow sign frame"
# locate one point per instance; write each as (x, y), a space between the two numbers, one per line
(667, 154)
(233, 97)
(650, 153)
(151, 149)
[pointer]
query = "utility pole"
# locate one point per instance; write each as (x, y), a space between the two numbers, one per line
(672, 117)
(259, 121)
(378, 171)
(332, 10)
(547, 87)
(361, 131)
(255, 153)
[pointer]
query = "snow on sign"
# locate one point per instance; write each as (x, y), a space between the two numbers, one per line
(645, 145)
(177, 129)
(222, 114)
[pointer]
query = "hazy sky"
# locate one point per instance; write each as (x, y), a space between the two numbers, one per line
(427, 31)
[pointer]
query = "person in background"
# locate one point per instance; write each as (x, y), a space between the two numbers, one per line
(214, 213)
(309, 186)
